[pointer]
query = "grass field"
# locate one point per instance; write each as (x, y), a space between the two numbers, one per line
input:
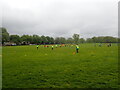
(0, 67)
(92, 67)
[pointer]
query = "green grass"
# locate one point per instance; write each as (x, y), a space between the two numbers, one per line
(0, 67)
(92, 67)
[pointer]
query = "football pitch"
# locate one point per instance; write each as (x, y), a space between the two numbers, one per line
(92, 67)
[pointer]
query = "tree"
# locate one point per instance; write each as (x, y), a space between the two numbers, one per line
(70, 40)
(89, 40)
(36, 39)
(26, 39)
(48, 40)
(43, 39)
(118, 40)
(62, 40)
(82, 40)
(57, 40)
(94, 39)
(52, 40)
(109, 39)
(100, 39)
(15, 38)
(76, 38)
(5, 35)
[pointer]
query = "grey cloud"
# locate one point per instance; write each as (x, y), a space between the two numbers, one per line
(62, 18)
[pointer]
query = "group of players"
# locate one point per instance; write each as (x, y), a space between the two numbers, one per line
(64, 45)
(108, 45)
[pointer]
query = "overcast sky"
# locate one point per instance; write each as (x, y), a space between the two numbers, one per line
(61, 18)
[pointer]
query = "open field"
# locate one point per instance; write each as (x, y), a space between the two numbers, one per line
(0, 67)
(92, 67)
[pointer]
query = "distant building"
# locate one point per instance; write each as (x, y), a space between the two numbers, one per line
(9, 44)
(25, 43)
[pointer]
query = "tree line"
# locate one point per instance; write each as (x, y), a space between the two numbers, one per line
(36, 39)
